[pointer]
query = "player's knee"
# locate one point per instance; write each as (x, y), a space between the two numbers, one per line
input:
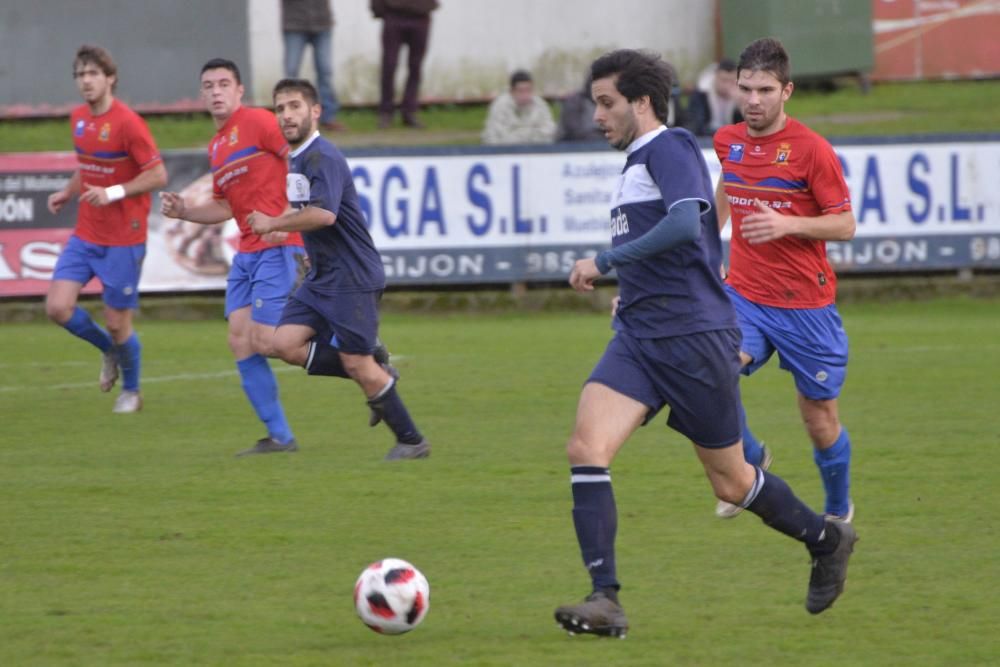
(585, 451)
(57, 311)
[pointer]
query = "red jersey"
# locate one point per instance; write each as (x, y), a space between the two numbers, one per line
(249, 169)
(796, 172)
(112, 148)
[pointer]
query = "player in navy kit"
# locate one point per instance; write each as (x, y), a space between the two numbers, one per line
(676, 343)
(330, 323)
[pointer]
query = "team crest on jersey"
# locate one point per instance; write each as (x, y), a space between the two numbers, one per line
(783, 152)
(78, 131)
(735, 153)
(105, 132)
(297, 188)
(234, 136)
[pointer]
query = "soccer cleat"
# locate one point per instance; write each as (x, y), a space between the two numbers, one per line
(375, 416)
(109, 371)
(597, 615)
(270, 446)
(401, 451)
(725, 510)
(128, 401)
(842, 518)
(829, 571)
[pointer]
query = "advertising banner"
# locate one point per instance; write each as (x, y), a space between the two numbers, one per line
(470, 216)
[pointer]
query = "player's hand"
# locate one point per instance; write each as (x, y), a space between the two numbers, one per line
(583, 275)
(172, 204)
(95, 195)
(57, 200)
(766, 224)
(614, 305)
(261, 223)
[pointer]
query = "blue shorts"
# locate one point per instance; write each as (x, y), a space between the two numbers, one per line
(347, 320)
(117, 267)
(262, 280)
(811, 344)
(697, 375)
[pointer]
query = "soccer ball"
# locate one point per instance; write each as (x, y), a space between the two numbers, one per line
(391, 596)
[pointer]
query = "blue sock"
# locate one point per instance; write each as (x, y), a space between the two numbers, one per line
(261, 388)
(390, 407)
(129, 359)
(834, 465)
(772, 500)
(752, 452)
(595, 517)
(82, 325)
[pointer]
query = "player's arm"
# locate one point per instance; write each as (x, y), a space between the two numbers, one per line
(305, 219)
(151, 179)
(721, 203)
(59, 198)
(681, 224)
(214, 211)
(766, 224)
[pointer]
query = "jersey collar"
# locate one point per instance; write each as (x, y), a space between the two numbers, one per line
(305, 145)
(644, 139)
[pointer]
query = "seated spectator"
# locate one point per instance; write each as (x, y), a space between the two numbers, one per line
(576, 117)
(519, 116)
(713, 103)
(676, 117)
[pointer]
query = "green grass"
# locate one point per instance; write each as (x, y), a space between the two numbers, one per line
(889, 109)
(141, 540)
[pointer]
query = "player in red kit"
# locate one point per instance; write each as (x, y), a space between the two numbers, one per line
(119, 166)
(249, 169)
(784, 188)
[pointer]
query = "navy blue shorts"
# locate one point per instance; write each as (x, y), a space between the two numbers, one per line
(117, 267)
(697, 375)
(347, 320)
(263, 281)
(811, 343)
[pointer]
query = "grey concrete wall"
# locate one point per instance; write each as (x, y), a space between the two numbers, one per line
(159, 47)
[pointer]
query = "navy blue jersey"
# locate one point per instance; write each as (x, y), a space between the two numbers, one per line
(343, 256)
(679, 291)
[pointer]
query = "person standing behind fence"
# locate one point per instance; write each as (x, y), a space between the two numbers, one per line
(311, 22)
(403, 22)
(519, 116)
(119, 166)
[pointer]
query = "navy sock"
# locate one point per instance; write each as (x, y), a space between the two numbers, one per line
(261, 387)
(82, 325)
(390, 407)
(834, 465)
(752, 451)
(772, 500)
(129, 359)
(595, 517)
(324, 359)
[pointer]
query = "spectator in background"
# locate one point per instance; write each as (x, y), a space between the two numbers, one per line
(311, 22)
(576, 117)
(403, 22)
(713, 103)
(519, 116)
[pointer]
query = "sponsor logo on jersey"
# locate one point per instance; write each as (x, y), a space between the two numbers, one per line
(619, 224)
(781, 158)
(78, 131)
(736, 152)
(105, 132)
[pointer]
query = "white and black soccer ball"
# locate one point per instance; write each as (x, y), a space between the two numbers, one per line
(391, 596)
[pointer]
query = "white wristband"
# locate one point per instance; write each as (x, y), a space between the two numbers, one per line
(115, 192)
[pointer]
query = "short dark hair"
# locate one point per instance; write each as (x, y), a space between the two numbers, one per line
(727, 65)
(520, 76)
(640, 74)
(222, 63)
(766, 55)
(303, 86)
(99, 56)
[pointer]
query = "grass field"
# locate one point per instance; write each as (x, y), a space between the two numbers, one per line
(888, 109)
(140, 539)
